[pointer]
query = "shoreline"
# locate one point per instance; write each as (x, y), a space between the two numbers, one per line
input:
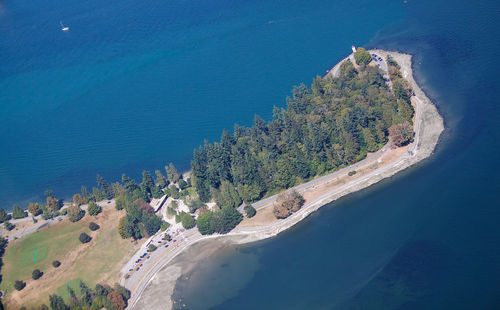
(428, 126)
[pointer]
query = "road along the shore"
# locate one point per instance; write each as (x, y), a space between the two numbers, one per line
(428, 127)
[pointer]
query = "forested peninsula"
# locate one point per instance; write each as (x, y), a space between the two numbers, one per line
(339, 120)
(331, 124)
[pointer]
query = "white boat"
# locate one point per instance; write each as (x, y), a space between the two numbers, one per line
(63, 28)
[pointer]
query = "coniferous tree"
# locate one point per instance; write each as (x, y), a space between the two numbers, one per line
(105, 187)
(18, 213)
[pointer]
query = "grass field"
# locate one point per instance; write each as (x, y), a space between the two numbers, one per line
(98, 261)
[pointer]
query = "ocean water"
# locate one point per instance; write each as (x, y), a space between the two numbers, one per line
(135, 85)
(427, 238)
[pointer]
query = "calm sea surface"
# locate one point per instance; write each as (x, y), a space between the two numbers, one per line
(136, 84)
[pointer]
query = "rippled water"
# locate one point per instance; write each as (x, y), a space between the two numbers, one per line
(134, 85)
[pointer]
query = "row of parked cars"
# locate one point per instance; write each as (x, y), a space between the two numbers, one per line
(376, 58)
(147, 256)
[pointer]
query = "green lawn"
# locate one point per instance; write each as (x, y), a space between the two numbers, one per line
(51, 243)
(96, 262)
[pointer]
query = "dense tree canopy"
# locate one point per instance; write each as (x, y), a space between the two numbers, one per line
(332, 124)
(362, 57)
(221, 221)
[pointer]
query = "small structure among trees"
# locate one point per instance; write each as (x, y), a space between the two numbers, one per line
(287, 203)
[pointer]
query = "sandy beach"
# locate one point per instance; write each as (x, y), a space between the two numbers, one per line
(153, 290)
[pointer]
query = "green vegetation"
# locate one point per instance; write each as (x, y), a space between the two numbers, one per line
(83, 297)
(173, 175)
(152, 248)
(36, 274)
(84, 238)
(221, 221)
(34, 208)
(99, 263)
(3, 215)
(351, 173)
(164, 225)
(75, 213)
(18, 213)
(250, 211)
(3, 245)
(93, 208)
(19, 285)
(93, 226)
(287, 203)
(188, 221)
(362, 57)
(330, 125)
(8, 225)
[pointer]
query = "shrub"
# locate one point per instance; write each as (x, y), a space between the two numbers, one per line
(9, 226)
(250, 211)
(167, 237)
(287, 203)
(351, 173)
(36, 274)
(94, 209)
(75, 213)
(84, 238)
(64, 211)
(19, 285)
(93, 226)
(56, 263)
(152, 248)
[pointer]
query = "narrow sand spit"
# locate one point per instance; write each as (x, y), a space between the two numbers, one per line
(155, 289)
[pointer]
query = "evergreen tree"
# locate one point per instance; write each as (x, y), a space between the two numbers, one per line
(161, 181)
(172, 173)
(57, 303)
(98, 195)
(18, 213)
(105, 188)
(3, 215)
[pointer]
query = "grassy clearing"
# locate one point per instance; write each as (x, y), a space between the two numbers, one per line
(98, 261)
(51, 244)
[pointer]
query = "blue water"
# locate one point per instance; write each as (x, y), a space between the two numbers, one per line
(136, 84)
(427, 238)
